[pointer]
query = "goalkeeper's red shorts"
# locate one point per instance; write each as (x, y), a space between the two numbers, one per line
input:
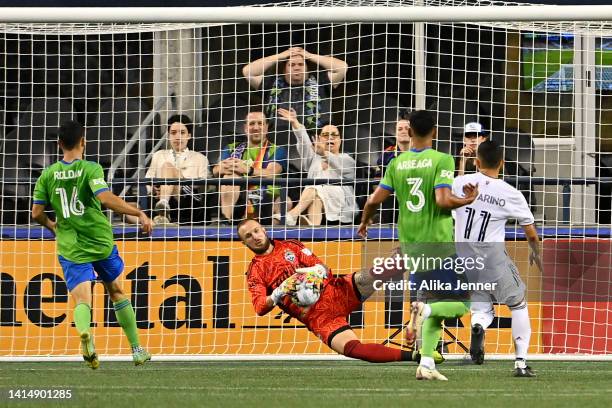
(329, 315)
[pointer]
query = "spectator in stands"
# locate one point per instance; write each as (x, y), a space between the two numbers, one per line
(402, 143)
(324, 160)
(257, 157)
(185, 202)
(388, 210)
(308, 93)
(473, 135)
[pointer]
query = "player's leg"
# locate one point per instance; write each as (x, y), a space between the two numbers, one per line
(511, 291)
(345, 342)
(482, 316)
(78, 280)
(109, 270)
(81, 294)
(426, 322)
(521, 332)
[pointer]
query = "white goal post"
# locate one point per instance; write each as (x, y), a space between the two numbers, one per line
(535, 76)
(397, 13)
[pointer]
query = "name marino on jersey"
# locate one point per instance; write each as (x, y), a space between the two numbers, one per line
(487, 198)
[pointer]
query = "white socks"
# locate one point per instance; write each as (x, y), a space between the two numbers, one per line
(428, 362)
(521, 331)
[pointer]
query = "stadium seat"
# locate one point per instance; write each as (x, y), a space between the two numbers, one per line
(34, 155)
(43, 116)
(15, 197)
(225, 117)
(518, 152)
(209, 146)
(117, 121)
(452, 115)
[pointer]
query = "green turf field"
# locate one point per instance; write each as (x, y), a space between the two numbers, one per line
(539, 65)
(313, 384)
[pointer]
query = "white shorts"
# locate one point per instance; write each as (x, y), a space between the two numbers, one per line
(509, 289)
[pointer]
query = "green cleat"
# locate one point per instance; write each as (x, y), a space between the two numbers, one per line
(141, 356)
(89, 351)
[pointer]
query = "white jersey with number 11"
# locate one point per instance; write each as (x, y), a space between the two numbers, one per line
(484, 220)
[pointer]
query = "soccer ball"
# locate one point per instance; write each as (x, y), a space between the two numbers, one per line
(308, 289)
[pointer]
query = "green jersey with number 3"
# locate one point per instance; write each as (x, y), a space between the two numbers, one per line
(414, 176)
(83, 232)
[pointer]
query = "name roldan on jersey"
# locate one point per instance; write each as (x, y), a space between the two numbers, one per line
(414, 164)
(67, 174)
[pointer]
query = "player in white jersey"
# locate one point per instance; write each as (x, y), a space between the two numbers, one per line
(480, 232)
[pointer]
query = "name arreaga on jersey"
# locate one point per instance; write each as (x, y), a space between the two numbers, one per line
(414, 164)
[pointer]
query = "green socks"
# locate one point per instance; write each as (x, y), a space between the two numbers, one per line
(82, 317)
(127, 320)
(432, 326)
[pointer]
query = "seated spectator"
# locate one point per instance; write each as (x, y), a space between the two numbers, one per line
(257, 157)
(473, 135)
(323, 160)
(402, 144)
(306, 92)
(388, 210)
(185, 202)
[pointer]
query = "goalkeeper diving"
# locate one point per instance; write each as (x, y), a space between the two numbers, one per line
(274, 276)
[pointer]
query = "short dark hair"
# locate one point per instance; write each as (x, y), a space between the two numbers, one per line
(422, 123)
(404, 115)
(490, 154)
(184, 119)
(70, 134)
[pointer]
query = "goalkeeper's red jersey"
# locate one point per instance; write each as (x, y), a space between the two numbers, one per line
(266, 272)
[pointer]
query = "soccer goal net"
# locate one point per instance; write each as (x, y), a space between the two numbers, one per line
(541, 88)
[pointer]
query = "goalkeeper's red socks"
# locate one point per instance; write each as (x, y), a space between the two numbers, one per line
(375, 353)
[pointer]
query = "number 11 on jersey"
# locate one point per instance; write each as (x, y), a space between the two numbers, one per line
(486, 216)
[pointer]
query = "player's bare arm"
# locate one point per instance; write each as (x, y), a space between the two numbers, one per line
(447, 200)
(112, 202)
(534, 243)
(370, 208)
(38, 214)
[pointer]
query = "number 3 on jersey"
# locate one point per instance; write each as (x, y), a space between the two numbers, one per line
(415, 183)
(74, 207)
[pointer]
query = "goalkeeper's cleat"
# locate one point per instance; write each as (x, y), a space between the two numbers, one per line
(438, 358)
(416, 323)
(140, 356)
(477, 344)
(424, 373)
(89, 351)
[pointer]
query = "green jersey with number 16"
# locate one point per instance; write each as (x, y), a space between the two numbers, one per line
(83, 233)
(413, 176)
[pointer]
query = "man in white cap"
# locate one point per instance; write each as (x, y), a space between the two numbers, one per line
(473, 135)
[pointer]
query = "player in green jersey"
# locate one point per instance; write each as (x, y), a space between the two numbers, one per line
(422, 179)
(75, 189)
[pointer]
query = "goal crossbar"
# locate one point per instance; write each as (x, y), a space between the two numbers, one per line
(306, 14)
